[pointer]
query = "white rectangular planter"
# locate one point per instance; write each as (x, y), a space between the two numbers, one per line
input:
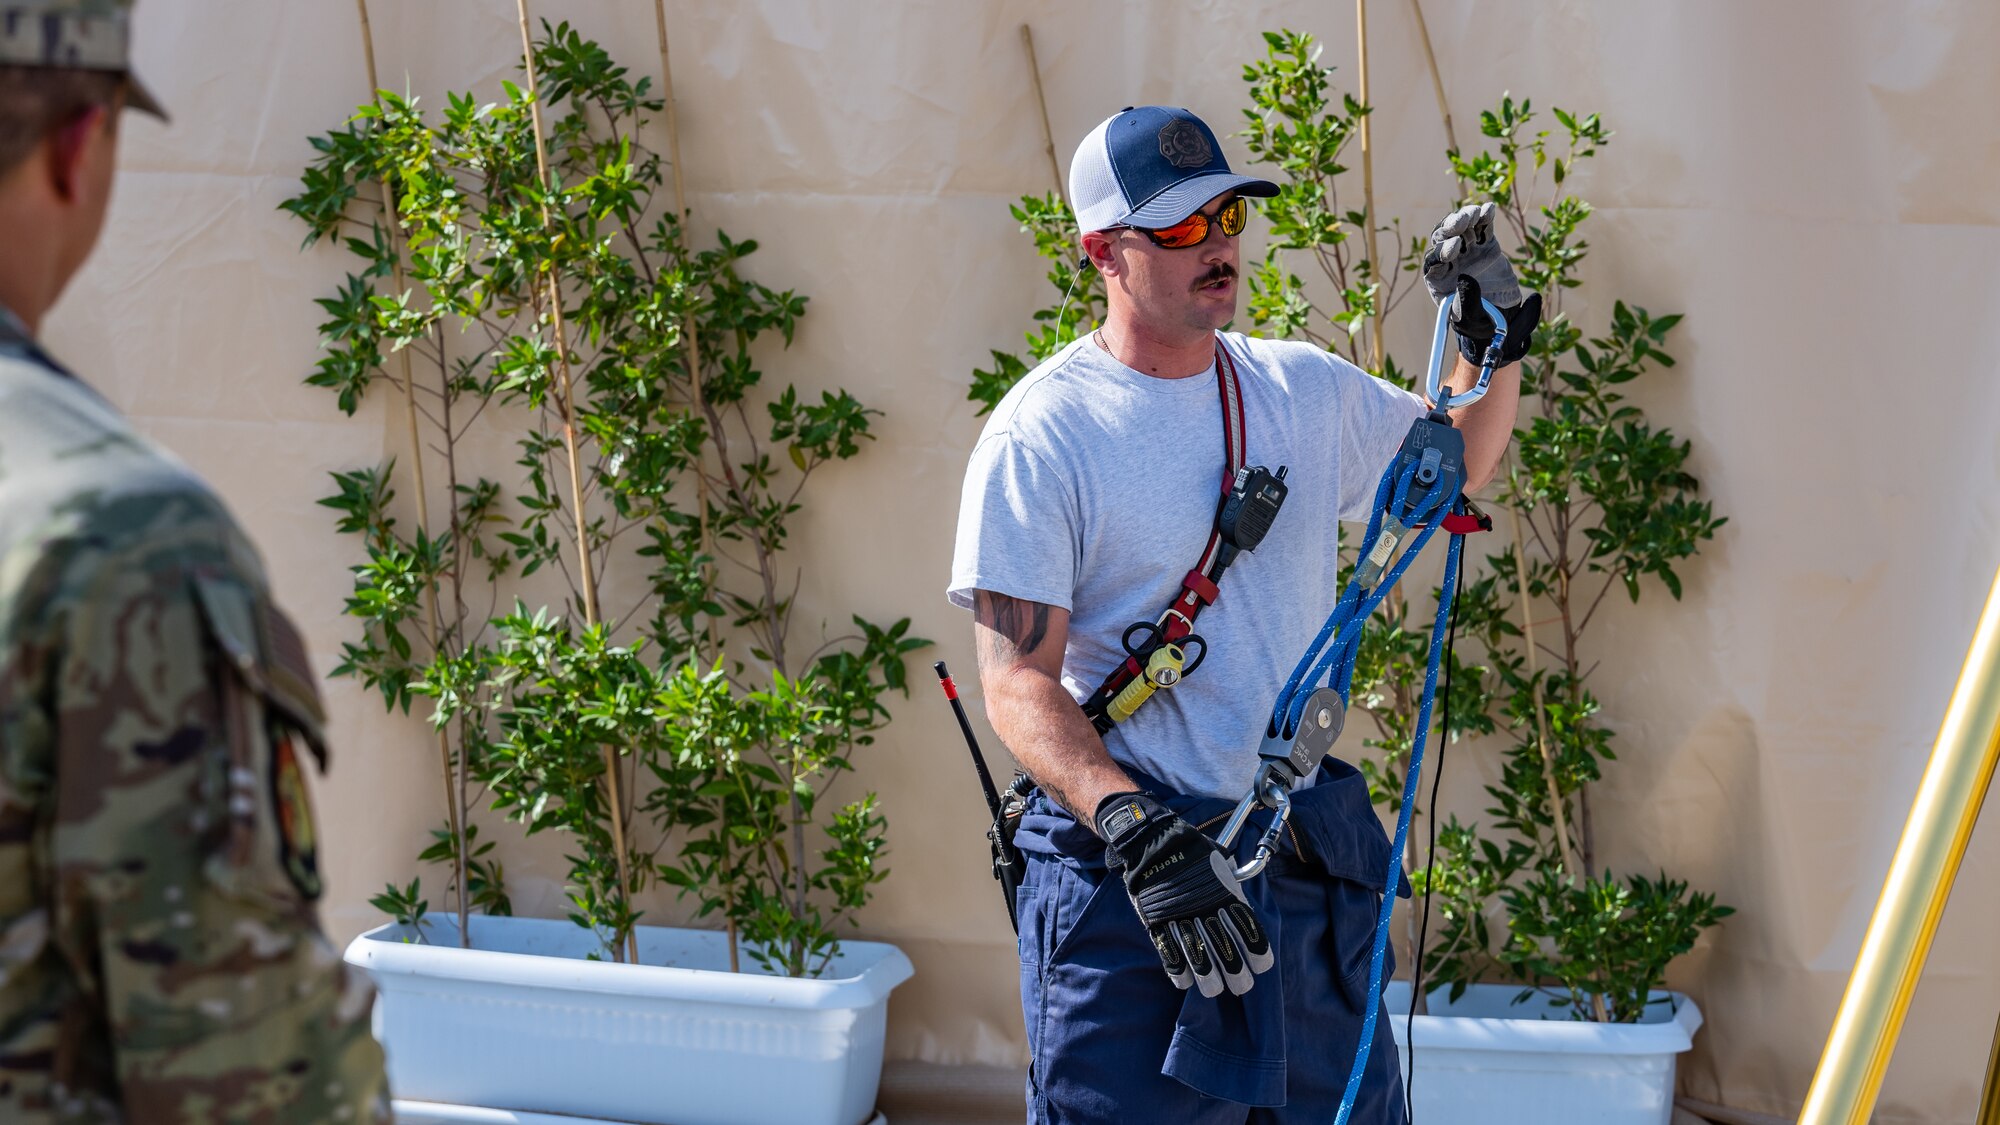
(1487, 1061)
(524, 1021)
(434, 1113)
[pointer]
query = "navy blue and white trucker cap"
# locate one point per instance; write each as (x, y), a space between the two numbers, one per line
(1151, 166)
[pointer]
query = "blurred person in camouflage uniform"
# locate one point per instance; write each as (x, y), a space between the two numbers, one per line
(161, 959)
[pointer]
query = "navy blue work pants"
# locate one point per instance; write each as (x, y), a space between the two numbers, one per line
(1113, 1041)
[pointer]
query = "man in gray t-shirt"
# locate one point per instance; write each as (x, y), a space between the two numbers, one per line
(1090, 494)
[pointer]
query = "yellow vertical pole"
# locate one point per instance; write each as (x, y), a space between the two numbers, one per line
(1927, 859)
(690, 337)
(1989, 1096)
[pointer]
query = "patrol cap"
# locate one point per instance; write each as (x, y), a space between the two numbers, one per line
(74, 35)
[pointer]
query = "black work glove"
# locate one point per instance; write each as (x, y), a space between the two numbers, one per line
(1186, 896)
(1464, 249)
(1474, 325)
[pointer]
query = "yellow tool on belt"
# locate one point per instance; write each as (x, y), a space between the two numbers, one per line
(1163, 670)
(1156, 663)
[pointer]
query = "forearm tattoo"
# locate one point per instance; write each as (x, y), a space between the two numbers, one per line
(1014, 628)
(1061, 797)
(1054, 746)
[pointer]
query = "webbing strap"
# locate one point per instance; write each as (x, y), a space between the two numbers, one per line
(1199, 587)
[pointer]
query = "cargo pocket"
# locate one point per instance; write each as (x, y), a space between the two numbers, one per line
(1028, 947)
(1048, 907)
(1353, 911)
(1340, 837)
(1072, 899)
(1027, 921)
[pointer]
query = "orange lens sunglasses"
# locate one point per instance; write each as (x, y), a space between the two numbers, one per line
(1193, 230)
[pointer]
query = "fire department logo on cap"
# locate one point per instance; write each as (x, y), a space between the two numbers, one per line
(1183, 145)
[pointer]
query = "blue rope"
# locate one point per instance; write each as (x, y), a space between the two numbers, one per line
(1337, 665)
(1343, 610)
(1333, 654)
(1438, 629)
(1350, 614)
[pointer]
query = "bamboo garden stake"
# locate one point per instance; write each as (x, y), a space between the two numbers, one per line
(585, 576)
(1989, 1094)
(454, 822)
(1437, 82)
(689, 338)
(1374, 266)
(1577, 871)
(1042, 102)
(1541, 713)
(691, 343)
(1368, 190)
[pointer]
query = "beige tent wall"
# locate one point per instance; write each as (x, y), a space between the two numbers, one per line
(1814, 185)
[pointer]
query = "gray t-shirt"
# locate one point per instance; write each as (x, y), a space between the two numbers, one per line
(1093, 489)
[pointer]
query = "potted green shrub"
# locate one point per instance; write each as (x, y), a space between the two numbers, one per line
(656, 714)
(1543, 995)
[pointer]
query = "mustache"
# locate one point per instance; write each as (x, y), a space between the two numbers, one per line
(1221, 272)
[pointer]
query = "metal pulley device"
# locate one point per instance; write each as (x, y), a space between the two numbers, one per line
(1281, 761)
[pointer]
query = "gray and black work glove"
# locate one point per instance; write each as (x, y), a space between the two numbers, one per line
(1463, 249)
(1186, 896)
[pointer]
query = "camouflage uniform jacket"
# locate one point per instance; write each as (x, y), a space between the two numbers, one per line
(161, 959)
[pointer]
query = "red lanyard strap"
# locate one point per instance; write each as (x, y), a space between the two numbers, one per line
(1199, 587)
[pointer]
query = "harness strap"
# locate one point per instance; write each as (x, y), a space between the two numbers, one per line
(1199, 588)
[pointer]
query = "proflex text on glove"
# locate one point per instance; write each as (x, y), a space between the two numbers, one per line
(1185, 894)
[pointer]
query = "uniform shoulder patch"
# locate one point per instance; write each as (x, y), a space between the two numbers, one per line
(298, 837)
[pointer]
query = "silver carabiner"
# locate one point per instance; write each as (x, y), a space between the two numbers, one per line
(1286, 756)
(1270, 790)
(1434, 383)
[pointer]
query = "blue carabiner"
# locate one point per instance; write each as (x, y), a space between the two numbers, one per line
(1434, 386)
